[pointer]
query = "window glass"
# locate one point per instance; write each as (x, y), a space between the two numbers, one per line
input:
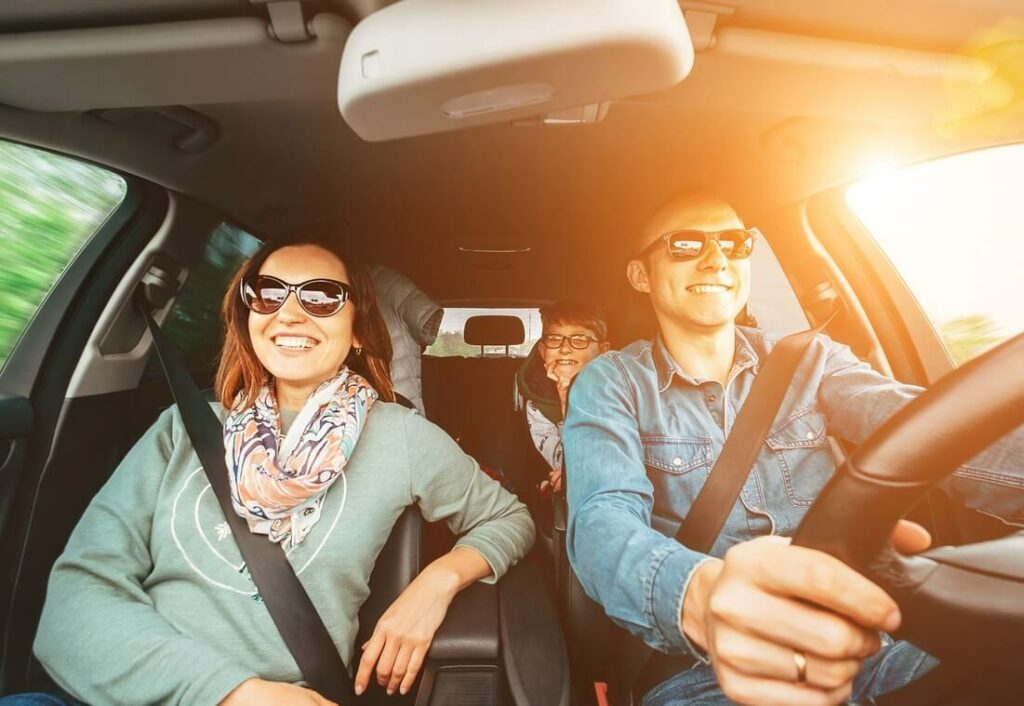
(954, 229)
(50, 205)
(773, 304)
(193, 325)
(450, 341)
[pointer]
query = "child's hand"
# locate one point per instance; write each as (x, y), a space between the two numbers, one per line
(561, 374)
(555, 479)
(553, 484)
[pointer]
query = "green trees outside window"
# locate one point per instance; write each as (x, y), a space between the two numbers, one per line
(49, 207)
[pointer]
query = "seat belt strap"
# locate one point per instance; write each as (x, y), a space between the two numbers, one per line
(706, 517)
(289, 605)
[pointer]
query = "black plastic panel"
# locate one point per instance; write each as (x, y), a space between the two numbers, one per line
(466, 686)
(15, 416)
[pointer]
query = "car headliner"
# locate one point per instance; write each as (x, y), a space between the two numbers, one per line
(793, 98)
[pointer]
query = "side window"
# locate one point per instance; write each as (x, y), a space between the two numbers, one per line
(773, 303)
(954, 230)
(450, 341)
(50, 206)
(193, 324)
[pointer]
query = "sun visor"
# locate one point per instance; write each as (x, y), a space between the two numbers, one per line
(194, 63)
(424, 66)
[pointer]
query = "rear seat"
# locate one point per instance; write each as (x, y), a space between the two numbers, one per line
(472, 400)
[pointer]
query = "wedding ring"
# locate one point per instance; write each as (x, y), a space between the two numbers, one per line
(800, 660)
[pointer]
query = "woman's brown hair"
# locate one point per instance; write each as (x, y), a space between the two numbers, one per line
(240, 371)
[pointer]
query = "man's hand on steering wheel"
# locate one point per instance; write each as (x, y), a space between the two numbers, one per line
(789, 625)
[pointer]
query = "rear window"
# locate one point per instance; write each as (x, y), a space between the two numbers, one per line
(450, 341)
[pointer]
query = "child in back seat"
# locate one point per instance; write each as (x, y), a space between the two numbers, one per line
(574, 333)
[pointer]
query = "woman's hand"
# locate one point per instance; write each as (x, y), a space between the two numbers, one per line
(259, 692)
(769, 600)
(403, 634)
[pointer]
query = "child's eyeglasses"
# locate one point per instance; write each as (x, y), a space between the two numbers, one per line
(577, 341)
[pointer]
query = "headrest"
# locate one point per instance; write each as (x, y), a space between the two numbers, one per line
(494, 331)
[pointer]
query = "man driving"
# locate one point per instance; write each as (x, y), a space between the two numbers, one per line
(756, 620)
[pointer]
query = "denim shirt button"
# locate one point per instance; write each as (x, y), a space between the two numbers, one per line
(711, 398)
(810, 435)
(677, 461)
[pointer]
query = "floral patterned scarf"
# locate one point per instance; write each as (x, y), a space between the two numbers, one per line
(279, 487)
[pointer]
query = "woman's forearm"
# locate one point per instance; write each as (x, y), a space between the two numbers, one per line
(455, 570)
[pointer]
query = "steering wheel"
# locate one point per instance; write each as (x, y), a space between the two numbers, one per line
(964, 605)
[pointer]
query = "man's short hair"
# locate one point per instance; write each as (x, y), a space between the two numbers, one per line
(580, 312)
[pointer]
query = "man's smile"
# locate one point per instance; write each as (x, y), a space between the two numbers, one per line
(708, 288)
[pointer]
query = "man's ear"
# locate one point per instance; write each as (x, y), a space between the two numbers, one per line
(604, 346)
(636, 273)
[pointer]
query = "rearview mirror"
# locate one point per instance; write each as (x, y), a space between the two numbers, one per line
(424, 66)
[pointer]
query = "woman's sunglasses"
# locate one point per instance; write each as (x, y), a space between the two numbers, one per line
(736, 243)
(318, 297)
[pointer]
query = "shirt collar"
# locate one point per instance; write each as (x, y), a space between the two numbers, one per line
(665, 366)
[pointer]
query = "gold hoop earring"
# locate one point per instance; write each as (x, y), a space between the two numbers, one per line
(359, 350)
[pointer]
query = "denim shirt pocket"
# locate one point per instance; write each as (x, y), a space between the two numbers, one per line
(677, 468)
(676, 455)
(800, 449)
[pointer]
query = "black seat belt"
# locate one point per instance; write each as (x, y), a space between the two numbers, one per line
(288, 603)
(707, 515)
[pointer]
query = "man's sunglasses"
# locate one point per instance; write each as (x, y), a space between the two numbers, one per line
(736, 243)
(578, 341)
(318, 297)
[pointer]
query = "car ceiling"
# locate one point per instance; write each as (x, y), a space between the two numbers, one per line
(790, 98)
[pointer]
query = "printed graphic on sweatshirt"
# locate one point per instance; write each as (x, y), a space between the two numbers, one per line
(204, 538)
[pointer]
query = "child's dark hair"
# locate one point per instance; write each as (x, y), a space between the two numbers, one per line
(576, 311)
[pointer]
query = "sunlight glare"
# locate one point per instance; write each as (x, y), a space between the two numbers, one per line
(954, 229)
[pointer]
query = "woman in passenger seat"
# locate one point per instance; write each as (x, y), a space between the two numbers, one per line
(574, 333)
(150, 601)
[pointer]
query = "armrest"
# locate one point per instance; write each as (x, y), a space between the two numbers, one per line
(533, 647)
(470, 630)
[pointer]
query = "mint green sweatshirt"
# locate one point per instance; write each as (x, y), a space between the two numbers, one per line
(150, 603)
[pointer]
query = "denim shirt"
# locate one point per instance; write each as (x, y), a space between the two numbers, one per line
(642, 436)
